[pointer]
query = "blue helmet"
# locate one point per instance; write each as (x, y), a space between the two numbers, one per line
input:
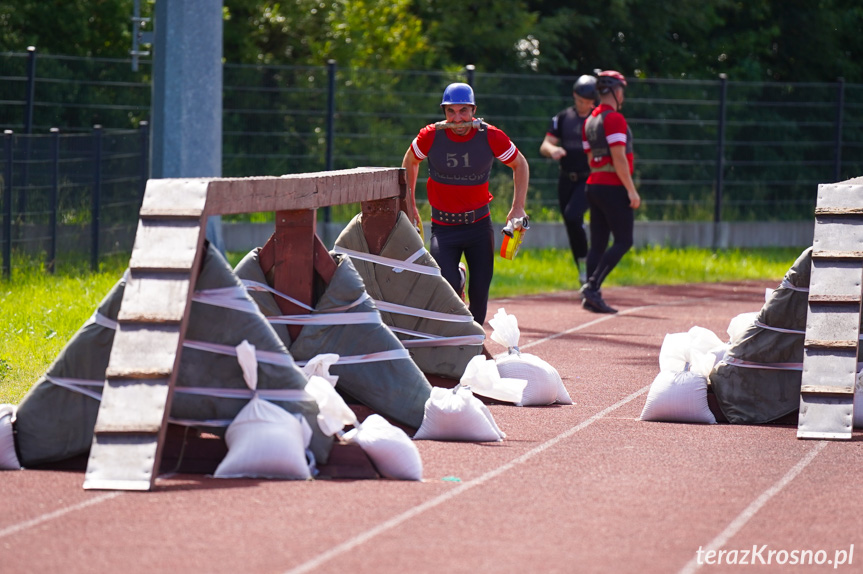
(458, 94)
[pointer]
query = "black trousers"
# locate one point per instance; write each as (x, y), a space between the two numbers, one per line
(476, 241)
(610, 216)
(573, 205)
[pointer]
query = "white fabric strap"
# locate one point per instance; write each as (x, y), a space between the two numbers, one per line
(769, 366)
(422, 313)
(786, 284)
(397, 265)
(429, 340)
(84, 387)
(227, 297)
(104, 321)
(269, 357)
(779, 329)
(370, 318)
(256, 286)
(392, 355)
(78, 386)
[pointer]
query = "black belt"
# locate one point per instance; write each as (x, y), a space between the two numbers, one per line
(459, 218)
(576, 175)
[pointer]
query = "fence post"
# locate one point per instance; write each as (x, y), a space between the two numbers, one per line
(331, 121)
(7, 204)
(720, 158)
(28, 130)
(144, 138)
(55, 194)
(840, 112)
(470, 68)
(96, 199)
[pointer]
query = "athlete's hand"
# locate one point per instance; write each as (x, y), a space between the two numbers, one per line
(634, 199)
(558, 153)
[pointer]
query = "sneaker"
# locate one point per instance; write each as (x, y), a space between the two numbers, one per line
(593, 301)
(462, 270)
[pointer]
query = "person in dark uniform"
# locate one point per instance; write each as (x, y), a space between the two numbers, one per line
(460, 159)
(611, 192)
(563, 143)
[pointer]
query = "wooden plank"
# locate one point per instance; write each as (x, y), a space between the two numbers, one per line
(830, 322)
(132, 405)
(835, 281)
(839, 196)
(122, 462)
(166, 244)
(832, 368)
(825, 417)
(823, 344)
(837, 234)
(153, 297)
(169, 198)
(827, 390)
(143, 351)
(301, 191)
(837, 255)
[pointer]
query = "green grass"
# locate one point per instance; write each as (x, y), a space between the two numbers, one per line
(40, 312)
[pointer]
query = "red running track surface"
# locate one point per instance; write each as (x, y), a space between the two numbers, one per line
(581, 488)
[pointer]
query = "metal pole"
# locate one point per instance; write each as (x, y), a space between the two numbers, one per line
(96, 199)
(28, 130)
(144, 134)
(720, 157)
(331, 121)
(840, 112)
(55, 193)
(470, 74)
(7, 205)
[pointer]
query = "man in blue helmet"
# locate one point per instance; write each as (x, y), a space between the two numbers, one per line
(460, 160)
(562, 143)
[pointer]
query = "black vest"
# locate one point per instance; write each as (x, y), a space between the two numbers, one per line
(461, 163)
(594, 131)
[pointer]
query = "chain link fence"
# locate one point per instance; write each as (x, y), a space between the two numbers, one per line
(705, 150)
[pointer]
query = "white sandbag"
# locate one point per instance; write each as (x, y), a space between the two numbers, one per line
(334, 412)
(738, 325)
(455, 414)
(544, 385)
(675, 356)
(389, 447)
(678, 397)
(266, 441)
(8, 457)
(483, 378)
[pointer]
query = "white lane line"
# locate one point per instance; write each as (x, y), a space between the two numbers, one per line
(738, 523)
(349, 545)
(15, 528)
(608, 318)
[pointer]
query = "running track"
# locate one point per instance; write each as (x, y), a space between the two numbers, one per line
(582, 488)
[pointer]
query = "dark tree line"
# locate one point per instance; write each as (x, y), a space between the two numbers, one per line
(756, 40)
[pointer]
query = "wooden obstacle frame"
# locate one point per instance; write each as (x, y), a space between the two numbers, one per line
(130, 430)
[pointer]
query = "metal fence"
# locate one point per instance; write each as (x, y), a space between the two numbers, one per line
(705, 150)
(67, 196)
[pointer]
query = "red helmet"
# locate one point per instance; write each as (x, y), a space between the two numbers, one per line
(608, 80)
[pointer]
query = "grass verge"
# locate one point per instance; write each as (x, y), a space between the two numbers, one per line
(40, 312)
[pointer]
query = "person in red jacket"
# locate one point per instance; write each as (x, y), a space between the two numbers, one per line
(460, 159)
(611, 192)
